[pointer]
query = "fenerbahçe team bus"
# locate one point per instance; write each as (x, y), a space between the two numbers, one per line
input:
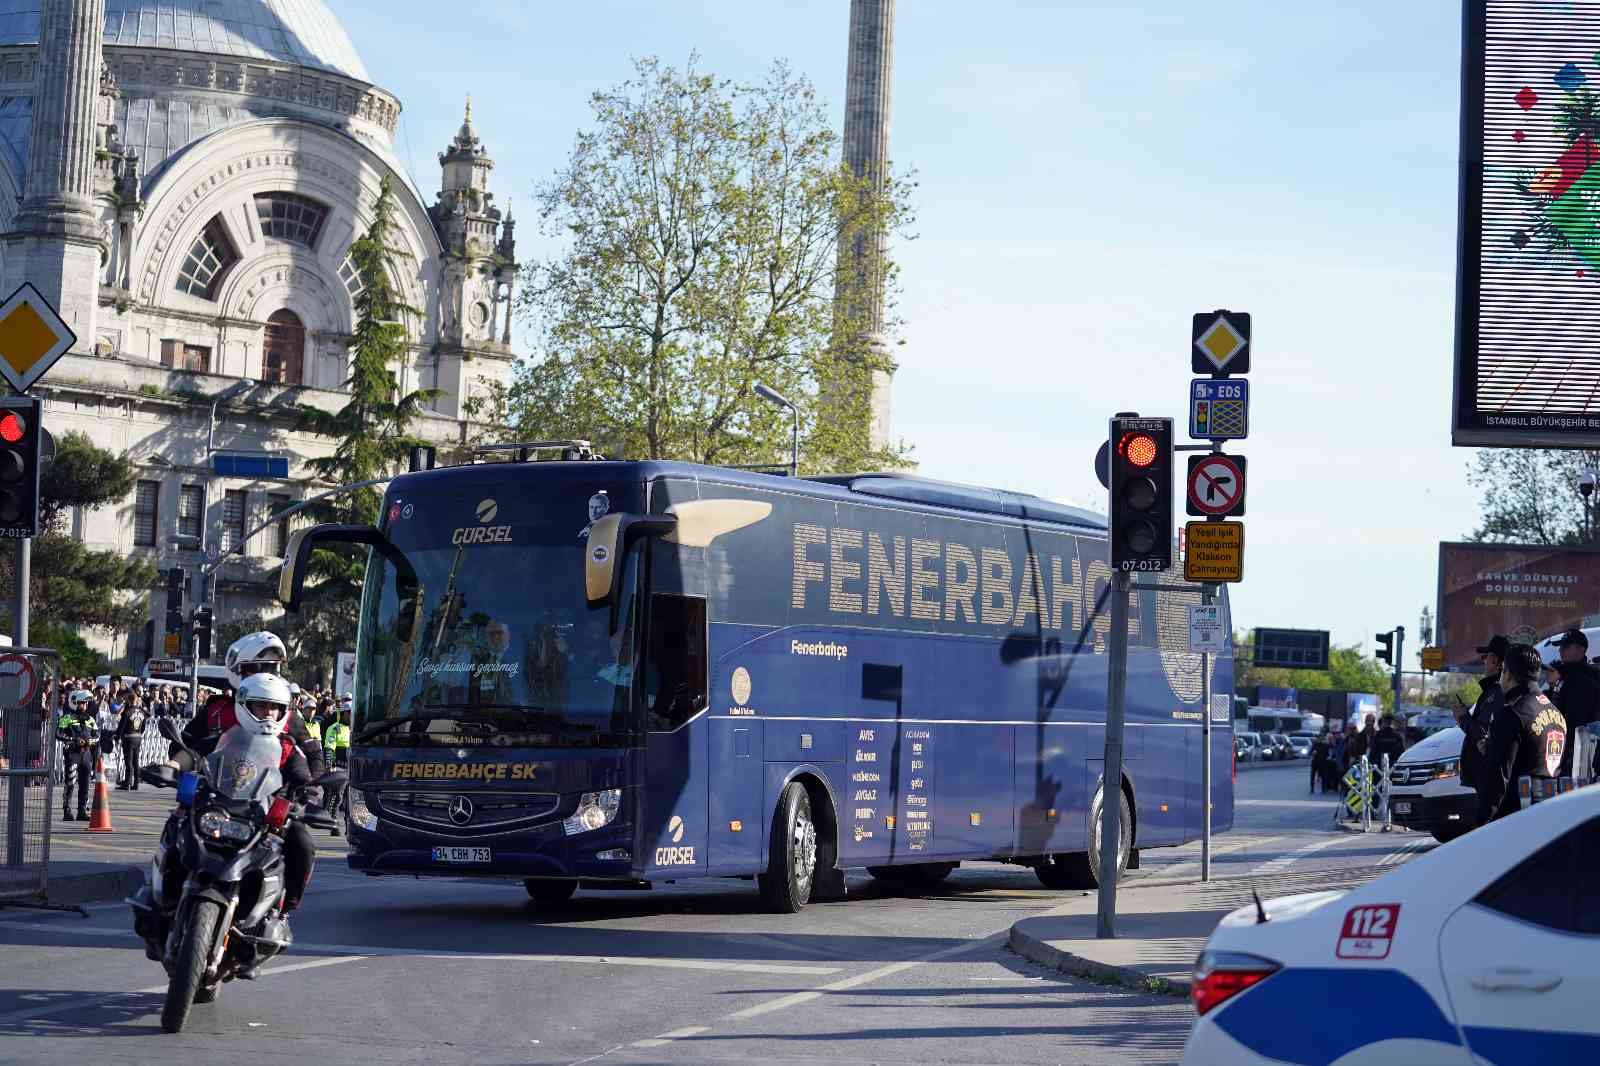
(617, 673)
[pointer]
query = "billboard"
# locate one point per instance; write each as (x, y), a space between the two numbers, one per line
(1527, 367)
(1525, 591)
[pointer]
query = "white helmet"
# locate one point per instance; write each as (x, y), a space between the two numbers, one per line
(261, 704)
(254, 652)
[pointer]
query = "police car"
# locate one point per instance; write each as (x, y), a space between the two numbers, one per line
(1425, 789)
(1482, 951)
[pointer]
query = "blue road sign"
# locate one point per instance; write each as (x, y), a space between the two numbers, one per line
(1219, 409)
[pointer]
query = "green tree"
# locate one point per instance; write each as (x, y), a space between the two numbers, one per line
(1348, 670)
(72, 586)
(1529, 496)
(77, 658)
(374, 434)
(701, 225)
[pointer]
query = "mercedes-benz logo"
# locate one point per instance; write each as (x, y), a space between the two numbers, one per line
(460, 810)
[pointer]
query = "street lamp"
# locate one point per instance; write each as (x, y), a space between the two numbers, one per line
(772, 396)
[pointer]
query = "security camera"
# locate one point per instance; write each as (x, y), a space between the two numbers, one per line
(1586, 483)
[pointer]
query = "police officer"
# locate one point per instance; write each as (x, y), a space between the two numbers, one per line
(337, 745)
(1528, 736)
(1475, 721)
(1579, 697)
(79, 734)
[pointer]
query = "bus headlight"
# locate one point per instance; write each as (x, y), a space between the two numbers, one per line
(596, 810)
(360, 815)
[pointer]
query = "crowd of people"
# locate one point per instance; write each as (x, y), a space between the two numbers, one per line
(1334, 752)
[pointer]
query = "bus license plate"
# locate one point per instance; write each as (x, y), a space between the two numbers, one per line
(1402, 808)
(460, 854)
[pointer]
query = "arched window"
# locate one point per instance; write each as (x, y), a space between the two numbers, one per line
(207, 262)
(283, 353)
(289, 217)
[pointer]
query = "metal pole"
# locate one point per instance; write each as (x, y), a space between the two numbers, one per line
(1205, 757)
(794, 441)
(19, 625)
(1111, 785)
(1383, 789)
(1366, 793)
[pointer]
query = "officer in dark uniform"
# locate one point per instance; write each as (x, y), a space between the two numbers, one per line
(1579, 698)
(1475, 722)
(1528, 736)
(79, 734)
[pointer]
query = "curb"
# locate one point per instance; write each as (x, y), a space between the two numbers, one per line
(112, 884)
(1038, 951)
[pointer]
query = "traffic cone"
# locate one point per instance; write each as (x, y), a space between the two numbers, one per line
(100, 815)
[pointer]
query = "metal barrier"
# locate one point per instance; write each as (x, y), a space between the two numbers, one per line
(28, 679)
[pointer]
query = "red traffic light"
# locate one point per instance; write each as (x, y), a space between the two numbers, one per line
(1139, 449)
(12, 427)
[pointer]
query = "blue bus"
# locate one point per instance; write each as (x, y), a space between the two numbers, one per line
(610, 673)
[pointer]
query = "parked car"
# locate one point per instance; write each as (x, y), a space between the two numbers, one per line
(1252, 750)
(1281, 743)
(1425, 789)
(1301, 744)
(1479, 951)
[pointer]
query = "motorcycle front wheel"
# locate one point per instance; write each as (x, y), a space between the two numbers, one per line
(190, 966)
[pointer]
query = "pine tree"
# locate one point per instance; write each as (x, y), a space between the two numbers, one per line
(374, 434)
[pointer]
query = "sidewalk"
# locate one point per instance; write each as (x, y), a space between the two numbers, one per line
(1160, 927)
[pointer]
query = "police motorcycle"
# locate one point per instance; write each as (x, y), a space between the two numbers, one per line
(224, 918)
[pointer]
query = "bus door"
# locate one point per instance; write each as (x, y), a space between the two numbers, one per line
(677, 771)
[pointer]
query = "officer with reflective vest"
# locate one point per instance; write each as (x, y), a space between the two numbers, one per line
(79, 734)
(1528, 736)
(338, 748)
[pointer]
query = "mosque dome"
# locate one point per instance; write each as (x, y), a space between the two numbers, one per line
(300, 32)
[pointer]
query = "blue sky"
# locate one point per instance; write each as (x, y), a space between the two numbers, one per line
(1089, 176)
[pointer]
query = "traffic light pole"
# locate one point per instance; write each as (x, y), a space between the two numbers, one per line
(1111, 780)
(19, 626)
(1399, 662)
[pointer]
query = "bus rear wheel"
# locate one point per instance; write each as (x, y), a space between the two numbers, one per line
(1081, 869)
(920, 875)
(792, 859)
(549, 892)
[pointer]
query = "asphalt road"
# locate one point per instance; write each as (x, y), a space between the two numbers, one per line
(403, 971)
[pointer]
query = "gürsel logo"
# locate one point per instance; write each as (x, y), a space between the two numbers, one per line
(487, 509)
(675, 856)
(675, 827)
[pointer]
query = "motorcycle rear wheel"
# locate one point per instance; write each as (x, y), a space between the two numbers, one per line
(189, 968)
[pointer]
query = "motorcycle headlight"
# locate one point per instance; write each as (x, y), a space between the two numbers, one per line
(1448, 768)
(596, 810)
(218, 825)
(360, 814)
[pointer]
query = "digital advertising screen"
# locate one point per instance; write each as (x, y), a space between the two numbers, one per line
(1525, 592)
(1528, 287)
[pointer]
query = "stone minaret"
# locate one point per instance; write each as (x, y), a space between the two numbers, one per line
(55, 241)
(866, 152)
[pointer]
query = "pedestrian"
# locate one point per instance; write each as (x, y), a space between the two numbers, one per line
(106, 719)
(1475, 720)
(79, 734)
(1387, 741)
(130, 732)
(1579, 695)
(1527, 738)
(1319, 760)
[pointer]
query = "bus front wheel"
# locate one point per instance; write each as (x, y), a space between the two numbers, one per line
(1081, 869)
(549, 892)
(792, 860)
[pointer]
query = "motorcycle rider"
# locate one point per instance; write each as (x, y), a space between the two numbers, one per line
(251, 655)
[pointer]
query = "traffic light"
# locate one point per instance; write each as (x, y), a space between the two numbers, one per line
(202, 633)
(20, 435)
(1141, 493)
(1386, 647)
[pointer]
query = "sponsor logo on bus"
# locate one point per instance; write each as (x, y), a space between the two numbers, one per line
(675, 856)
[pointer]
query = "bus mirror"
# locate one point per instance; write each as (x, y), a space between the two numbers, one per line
(304, 542)
(610, 540)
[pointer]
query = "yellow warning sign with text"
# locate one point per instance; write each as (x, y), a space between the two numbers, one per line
(1213, 551)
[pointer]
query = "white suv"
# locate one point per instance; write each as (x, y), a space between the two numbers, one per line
(1425, 789)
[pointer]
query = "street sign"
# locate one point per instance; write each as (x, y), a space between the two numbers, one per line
(170, 644)
(1216, 485)
(1206, 632)
(18, 682)
(1221, 343)
(32, 337)
(1215, 551)
(1433, 658)
(161, 666)
(1295, 649)
(1219, 409)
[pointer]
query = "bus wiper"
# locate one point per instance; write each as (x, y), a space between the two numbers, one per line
(389, 723)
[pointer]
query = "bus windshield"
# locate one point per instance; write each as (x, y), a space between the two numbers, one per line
(504, 649)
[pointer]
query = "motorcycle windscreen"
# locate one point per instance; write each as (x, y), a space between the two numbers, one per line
(244, 765)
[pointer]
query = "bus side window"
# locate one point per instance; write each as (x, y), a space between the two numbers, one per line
(675, 668)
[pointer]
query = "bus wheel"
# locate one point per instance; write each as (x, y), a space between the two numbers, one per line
(923, 875)
(549, 892)
(1081, 869)
(792, 861)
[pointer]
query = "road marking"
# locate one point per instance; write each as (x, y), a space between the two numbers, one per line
(1283, 862)
(28, 1014)
(667, 1038)
(1408, 850)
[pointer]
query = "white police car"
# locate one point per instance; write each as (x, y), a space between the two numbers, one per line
(1484, 951)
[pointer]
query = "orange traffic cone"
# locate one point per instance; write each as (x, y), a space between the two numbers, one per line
(100, 815)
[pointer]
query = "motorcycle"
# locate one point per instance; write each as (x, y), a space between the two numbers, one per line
(211, 907)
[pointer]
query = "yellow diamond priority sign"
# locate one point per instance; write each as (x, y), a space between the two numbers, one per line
(1221, 343)
(32, 337)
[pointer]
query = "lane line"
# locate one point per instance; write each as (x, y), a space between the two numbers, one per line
(1283, 862)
